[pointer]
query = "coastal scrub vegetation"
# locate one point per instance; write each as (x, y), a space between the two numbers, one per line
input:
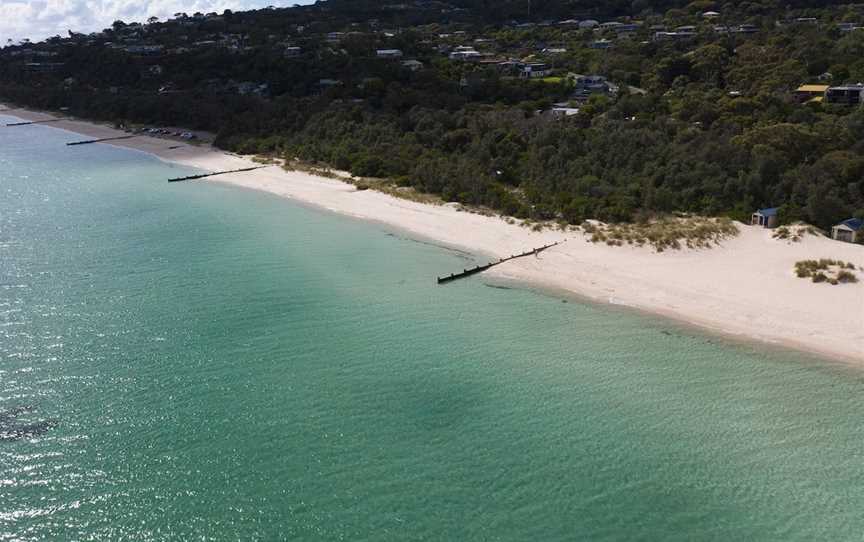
(826, 270)
(706, 122)
(794, 233)
(663, 233)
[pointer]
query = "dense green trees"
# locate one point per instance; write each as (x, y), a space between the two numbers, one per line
(714, 128)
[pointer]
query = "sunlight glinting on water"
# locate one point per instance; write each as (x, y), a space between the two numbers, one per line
(194, 361)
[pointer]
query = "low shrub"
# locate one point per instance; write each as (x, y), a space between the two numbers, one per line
(846, 276)
(794, 233)
(665, 233)
(826, 270)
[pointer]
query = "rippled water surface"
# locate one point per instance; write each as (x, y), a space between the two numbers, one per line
(194, 361)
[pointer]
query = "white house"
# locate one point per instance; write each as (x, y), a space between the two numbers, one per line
(850, 231)
(465, 53)
(563, 111)
(413, 65)
(535, 70)
(389, 53)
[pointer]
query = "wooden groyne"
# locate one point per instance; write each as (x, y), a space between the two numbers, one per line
(33, 122)
(89, 141)
(202, 175)
(480, 268)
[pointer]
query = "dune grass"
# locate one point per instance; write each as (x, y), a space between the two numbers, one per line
(794, 233)
(826, 270)
(665, 233)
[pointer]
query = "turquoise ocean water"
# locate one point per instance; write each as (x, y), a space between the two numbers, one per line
(199, 362)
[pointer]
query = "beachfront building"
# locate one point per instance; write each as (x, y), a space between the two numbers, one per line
(810, 93)
(767, 218)
(850, 231)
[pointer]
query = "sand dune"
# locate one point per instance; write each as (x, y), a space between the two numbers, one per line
(745, 288)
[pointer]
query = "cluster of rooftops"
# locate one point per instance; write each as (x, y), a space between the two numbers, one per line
(848, 94)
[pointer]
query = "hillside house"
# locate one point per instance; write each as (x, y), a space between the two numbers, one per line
(668, 36)
(849, 231)
(144, 50)
(845, 94)
(413, 65)
(388, 53)
(767, 218)
(43, 67)
(535, 70)
(464, 53)
(848, 27)
(561, 111)
(586, 86)
(810, 93)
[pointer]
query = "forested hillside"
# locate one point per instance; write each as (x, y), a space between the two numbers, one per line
(700, 113)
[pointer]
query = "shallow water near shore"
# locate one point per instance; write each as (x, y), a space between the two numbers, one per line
(194, 361)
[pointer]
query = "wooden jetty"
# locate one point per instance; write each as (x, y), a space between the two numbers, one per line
(480, 268)
(33, 122)
(202, 175)
(89, 141)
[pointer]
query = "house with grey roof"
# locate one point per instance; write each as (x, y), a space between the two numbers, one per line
(845, 94)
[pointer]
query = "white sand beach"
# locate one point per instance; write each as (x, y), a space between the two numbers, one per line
(745, 288)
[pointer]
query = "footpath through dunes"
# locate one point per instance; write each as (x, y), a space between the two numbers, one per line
(745, 287)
